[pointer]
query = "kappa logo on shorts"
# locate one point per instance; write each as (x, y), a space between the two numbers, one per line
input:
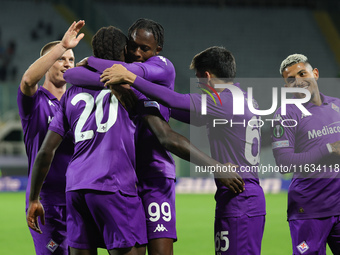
(302, 247)
(160, 228)
(52, 245)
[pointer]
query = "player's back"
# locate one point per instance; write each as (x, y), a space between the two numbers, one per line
(104, 156)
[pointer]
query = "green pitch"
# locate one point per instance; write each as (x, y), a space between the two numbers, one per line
(195, 217)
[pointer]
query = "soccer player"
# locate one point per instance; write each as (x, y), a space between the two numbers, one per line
(239, 218)
(308, 144)
(103, 207)
(37, 106)
(155, 166)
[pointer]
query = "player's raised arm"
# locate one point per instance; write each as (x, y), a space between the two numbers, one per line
(39, 68)
(181, 146)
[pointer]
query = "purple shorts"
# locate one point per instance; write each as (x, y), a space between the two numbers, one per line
(53, 240)
(310, 236)
(104, 219)
(158, 197)
(239, 235)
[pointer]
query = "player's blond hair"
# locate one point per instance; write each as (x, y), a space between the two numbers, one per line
(48, 47)
(292, 60)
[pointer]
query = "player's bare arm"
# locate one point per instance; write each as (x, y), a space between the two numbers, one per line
(39, 68)
(181, 147)
(40, 169)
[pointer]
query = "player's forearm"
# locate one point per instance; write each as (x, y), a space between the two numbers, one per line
(162, 94)
(83, 77)
(289, 158)
(40, 170)
(39, 68)
(101, 64)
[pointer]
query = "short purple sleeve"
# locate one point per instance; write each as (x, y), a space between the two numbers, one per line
(59, 123)
(26, 104)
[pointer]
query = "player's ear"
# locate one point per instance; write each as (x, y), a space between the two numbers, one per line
(158, 49)
(316, 73)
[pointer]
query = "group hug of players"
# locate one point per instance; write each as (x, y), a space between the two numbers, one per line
(100, 169)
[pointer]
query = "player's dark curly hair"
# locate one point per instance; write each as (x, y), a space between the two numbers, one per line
(151, 26)
(217, 60)
(109, 43)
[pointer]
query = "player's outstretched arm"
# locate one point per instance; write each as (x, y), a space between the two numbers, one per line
(119, 74)
(39, 68)
(181, 146)
(40, 169)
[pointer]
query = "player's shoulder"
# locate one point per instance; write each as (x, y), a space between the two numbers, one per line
(160, 60)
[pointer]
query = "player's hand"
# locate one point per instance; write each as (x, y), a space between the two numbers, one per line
(335, 148)
(125, 95)
(70, 39)
(35, 210)
(82, 62)
(231, 179)
(117, 74)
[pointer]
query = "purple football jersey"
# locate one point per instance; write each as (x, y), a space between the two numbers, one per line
(237, 142)
(152, 159)
(314, 194)
(104, 153)
(36, 113)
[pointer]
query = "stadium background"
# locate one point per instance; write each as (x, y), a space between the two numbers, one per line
(260, 33)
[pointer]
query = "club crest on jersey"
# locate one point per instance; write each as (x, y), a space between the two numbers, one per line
(52, 245)
(160, 228)
(278, 131)
(302, 247)
(335, 108)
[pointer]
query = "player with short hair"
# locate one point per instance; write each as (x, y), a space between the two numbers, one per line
(37, 107)
(102, 167)
(309, 144)
(239, 218)
(155, 166)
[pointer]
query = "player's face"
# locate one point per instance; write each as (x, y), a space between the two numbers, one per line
(56, 72)
(301, 75)
(141, 46)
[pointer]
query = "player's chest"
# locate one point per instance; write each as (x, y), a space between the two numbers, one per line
(322, 126)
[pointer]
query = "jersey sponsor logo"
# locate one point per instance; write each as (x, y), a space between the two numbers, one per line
(52, 245)
(326, 130)
(50, 103)
(335, 108)
(278, 131)
(280, 144)
(302, 247)
(160, 228)
(151, 104)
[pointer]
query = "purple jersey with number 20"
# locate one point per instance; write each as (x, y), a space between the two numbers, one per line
(104, 157)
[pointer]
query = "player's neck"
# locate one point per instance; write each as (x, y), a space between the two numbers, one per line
(57, 91)
(219, 81)
(316, 99)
